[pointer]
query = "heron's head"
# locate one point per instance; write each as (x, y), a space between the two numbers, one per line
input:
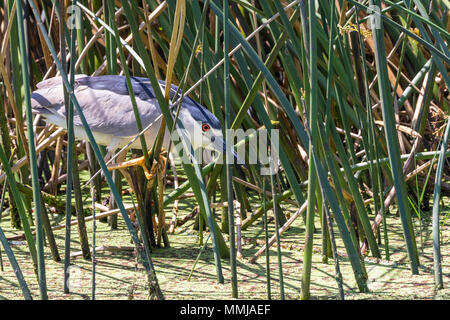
(204, 128)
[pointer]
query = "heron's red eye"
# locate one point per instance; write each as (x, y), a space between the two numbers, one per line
(205, 127)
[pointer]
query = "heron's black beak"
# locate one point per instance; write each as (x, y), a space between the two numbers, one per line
(236, 159)
(219, 144)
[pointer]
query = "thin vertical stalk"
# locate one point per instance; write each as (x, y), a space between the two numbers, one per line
(32, 153)
(437, 259)
(309, 232)
(266, 238)
(200, 229)
(2, 268)
(112, 220)
(333, 247)
(313, 113)
(94, 229)
(80, 44)
(111, 59)
(73, 167)
(223, 193)
(325, 237)
(277, 232)
(229, 173)
(2, 200)
(69, 181)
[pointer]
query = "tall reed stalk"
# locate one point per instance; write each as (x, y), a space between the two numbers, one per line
(32, 152)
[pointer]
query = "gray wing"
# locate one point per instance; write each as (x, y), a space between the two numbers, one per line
(104, 100)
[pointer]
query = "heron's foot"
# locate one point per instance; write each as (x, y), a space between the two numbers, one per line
(158, 167)
(149, 174)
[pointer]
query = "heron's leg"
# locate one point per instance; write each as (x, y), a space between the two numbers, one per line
(161, 167)
(111, 149)
(109, 154)
(120, 159)
(149, 174)
(131, 163)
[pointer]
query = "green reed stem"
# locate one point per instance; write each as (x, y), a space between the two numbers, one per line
(32, 153)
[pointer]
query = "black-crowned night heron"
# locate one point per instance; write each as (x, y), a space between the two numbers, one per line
(107, 106)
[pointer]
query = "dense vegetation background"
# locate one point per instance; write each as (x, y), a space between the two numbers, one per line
(357, 89)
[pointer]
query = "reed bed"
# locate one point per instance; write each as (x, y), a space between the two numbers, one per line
(357, 91)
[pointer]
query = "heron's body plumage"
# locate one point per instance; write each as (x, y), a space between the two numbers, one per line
(107, 107)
